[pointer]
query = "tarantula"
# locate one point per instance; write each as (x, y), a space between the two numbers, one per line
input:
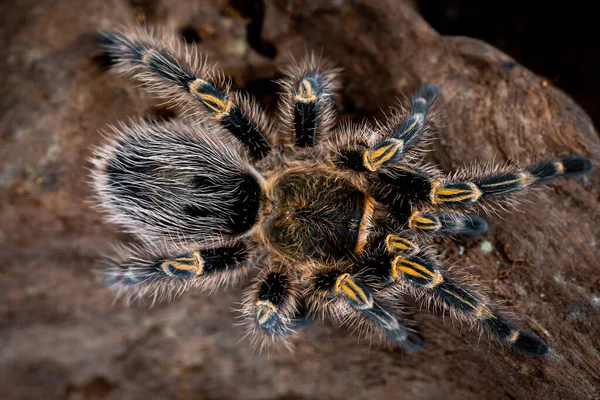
(337, 219)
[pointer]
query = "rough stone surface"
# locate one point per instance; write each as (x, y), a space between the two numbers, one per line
(61, 336)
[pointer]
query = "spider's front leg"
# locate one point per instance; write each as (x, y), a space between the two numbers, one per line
(470, 188)
(347, 300)
(404, 267)
(432, 204)
(137, 271)
(182, 78)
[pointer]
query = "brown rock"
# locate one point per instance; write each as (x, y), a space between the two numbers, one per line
(60, 335)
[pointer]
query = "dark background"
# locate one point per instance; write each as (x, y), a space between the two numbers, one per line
(558, 41)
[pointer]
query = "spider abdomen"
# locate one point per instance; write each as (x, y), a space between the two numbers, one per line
(163, 180)
(316, 215)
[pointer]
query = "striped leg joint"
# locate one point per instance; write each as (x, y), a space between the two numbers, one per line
(383, 153)
(447, 223)
(201, 262)
(401, 245)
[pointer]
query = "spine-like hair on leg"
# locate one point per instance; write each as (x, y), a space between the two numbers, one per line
(163, 66)
(420, 276)
(164, 181)
(497, 187)
(413, 121)
(405, 188)
(348, 301)
(403, 137)
(166, 271)
(174, 71)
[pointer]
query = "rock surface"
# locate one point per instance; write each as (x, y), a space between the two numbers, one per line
(61, 336)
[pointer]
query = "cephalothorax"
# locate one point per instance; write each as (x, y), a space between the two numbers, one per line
(336, 218)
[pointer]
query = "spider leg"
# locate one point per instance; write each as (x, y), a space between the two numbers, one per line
(399, 271)
(271, 307)
(162, 68)
(307, 107)
(429, 221)
(138, 271)
(347, 300)
(402, 182)
(405, 134)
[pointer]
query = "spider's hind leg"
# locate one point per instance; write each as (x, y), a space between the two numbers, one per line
(137, 271)
(307, 109)
(434, 204)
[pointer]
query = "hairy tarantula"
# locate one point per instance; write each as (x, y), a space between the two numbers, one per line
(336, 218)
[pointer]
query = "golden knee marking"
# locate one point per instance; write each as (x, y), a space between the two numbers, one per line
(365, 224)
(441, 194)
(483, 312)
(345, 285)
(560, 168)
(194, 263)
(374, 158)
(225, 111)
(147, 57)
(339, 280)
(404, 168)
(434, 187)
(264, 310)
(418, 221)
(526, 179)
(220, 107)
(414, 265)
(194, 86)
(416, 270)
(437, 280)
(217, 105)
(513, 337)
(199, 262)
(305, 93)
(395, 243)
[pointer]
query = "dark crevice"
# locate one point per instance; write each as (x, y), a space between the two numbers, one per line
(146, 11)
(160, 114)
(264, 90)
(190, 35)
(254, 11)
(100, 58)
(103, 60)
